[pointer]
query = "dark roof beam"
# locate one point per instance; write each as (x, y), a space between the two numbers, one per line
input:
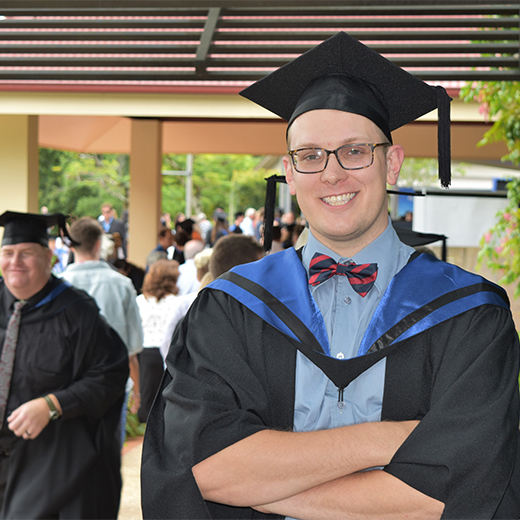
(490, 35)
(386, 48)
(98, 49)
(121, 62)
(240, 76)
(57, 35)
(102, 23)
(370, 22)
(205, 42)
(275, 49)
(372, 9)
(243, 8)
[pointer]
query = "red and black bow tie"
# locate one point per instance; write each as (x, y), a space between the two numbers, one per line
(361, 276)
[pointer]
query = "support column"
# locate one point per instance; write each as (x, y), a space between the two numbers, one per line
(144, 209)
(19, 173)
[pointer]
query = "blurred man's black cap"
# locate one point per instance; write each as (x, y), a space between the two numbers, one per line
(218, 214)
(343, 74)
(30, 227)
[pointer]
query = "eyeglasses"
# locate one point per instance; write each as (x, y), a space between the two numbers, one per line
(350, 157)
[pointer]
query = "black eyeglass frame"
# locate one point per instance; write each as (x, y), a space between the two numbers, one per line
(373, 146)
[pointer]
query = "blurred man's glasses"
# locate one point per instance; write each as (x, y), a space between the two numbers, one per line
(350, 157)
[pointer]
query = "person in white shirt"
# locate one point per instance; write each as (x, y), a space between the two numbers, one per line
(188, 282)
(247, 225)
(156, 304)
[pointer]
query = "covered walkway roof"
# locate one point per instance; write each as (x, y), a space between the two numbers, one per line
(170, 45)
(87, 66)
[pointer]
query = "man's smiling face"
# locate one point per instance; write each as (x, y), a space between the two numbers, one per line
(26, 268)
(345, 209)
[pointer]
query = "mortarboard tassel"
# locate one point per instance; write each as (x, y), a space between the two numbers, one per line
(444, 136)
(270, 200)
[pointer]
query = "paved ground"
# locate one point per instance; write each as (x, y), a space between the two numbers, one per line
(130, 508)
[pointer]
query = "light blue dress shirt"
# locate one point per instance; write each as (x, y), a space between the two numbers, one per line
(346, 315)
(106, 223)
(115, 296)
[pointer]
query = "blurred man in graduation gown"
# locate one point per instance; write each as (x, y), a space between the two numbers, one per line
(59, 448)
(353, 378)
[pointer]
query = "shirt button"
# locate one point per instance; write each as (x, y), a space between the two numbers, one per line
(347, 300)
(340, 355)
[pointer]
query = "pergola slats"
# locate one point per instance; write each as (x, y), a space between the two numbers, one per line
(148, 41)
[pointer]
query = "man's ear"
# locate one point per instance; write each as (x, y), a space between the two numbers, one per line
(394, 161)
(289, 177)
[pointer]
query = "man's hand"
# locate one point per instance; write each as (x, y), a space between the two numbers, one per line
(29, 419)
(135, 402)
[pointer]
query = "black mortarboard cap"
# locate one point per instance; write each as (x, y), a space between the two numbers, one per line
(30, 227)
(187, 225)
(343, 74)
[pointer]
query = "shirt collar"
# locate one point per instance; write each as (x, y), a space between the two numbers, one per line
(9, 299)
(88, 264)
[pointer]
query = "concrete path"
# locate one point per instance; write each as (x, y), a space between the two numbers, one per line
(130, 508)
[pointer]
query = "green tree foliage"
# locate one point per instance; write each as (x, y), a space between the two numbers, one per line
(424, 172)
(248, 189)
(501, 244)
(226, 181)
(500, 101)
(77, 184)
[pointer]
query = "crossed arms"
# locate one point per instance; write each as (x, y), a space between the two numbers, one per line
(314, 475)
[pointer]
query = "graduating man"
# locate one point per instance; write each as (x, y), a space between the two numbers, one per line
(353, 378)
(62, 379)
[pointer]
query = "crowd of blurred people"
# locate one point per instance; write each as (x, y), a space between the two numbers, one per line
(191, 251)
(145, 303)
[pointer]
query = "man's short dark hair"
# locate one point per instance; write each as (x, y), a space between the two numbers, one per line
(164, 231)
(232, 250)
(181, 237)
(86, 231)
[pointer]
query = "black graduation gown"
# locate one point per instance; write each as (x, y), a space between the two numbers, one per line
(72, 469)
(452, 362)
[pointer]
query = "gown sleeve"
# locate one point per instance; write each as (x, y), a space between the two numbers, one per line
(100, 363)
(463, 452)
